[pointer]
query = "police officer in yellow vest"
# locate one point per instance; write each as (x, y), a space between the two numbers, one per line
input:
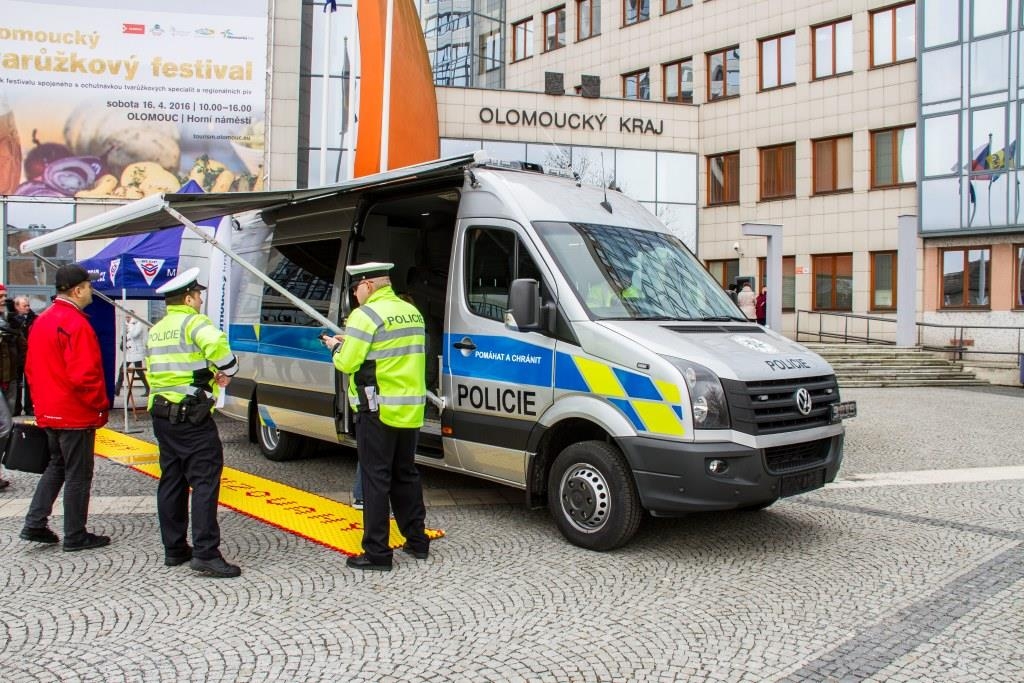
(188, 361)
(382, 352)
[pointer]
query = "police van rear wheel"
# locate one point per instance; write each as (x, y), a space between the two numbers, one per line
(279, 446)
(592, 497)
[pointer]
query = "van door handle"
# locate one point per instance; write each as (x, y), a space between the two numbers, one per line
(466, 344)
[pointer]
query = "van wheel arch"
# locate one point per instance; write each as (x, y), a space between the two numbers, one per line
(276, 445)
(552, 441)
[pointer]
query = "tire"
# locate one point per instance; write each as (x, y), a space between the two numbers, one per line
(277, 445)
(592, 497)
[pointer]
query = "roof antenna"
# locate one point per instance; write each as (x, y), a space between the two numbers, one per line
(606, 205)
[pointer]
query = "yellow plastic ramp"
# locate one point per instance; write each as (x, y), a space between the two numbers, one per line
(318, 519)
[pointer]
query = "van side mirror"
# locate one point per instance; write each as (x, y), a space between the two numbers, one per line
(524, 305)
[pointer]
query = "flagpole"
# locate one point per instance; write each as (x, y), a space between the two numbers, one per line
(346, 79)
(385, 123)
(326, 91)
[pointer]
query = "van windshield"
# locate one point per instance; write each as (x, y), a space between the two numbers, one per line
(629, 274)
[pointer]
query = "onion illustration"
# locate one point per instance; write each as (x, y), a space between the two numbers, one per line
(72, 174)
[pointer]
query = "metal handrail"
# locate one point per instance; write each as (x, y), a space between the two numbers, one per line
(957, 345)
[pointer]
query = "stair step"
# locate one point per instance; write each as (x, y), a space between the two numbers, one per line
(860, 365)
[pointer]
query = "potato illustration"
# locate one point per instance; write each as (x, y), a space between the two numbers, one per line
(146, 178)
(104, 187)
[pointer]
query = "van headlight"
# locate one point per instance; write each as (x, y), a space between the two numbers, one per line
(707, 398)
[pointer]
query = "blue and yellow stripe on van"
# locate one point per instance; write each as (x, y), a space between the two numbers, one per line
(652, 405)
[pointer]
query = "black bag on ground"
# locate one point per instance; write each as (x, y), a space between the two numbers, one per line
(27, 449)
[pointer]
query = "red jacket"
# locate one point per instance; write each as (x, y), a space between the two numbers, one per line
(65, 370)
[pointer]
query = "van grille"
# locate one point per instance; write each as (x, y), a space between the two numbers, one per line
(769, 407)
(796, 456)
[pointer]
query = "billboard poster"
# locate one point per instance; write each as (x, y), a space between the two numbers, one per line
(122, 99)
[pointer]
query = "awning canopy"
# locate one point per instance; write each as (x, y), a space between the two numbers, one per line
(148, 214)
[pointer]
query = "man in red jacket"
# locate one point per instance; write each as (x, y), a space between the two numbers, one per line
(65, 370)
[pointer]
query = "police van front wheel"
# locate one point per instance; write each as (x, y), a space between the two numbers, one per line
(279, 446)
(592, 497)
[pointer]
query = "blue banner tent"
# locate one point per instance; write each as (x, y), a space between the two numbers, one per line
(134, 266)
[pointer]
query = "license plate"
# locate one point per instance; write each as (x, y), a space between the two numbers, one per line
(799, 483)
(844, 410)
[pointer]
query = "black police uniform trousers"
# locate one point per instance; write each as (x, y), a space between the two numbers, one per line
(389, 474)
(190, 455)
(70, 468)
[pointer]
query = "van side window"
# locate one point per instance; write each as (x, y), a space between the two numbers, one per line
(494, 258)
(305, 270)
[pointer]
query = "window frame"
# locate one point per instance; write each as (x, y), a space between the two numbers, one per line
(639, 18)
(639, 72)
(527, 40)
(679, 81)
(723, 278)
(680, 5)
(834, 139)
(594, 4)
(871, 35)
(761, 151)
(761, 42)
(727, 181)
(814, 50)
(1018, 273)
(545, 14)
(874, 305)
(814, 281)
(907, 183)
(965, 291)
(725, 74)
(762, 276)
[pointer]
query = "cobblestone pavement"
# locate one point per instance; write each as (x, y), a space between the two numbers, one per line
(920, 578)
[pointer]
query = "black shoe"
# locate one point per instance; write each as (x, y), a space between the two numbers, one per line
(42, 535)
(418, 554)
(363, 562)
(177, 558)
(91, 541)
(4, 484)
(217, 568)
(357, 503)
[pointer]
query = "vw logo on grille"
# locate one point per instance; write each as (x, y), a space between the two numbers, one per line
(803, 401)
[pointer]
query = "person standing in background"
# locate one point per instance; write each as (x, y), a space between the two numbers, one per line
(65, 368)
(23, 318)
(761, 306)
(746, 299)
(12, 354)
(134, 352)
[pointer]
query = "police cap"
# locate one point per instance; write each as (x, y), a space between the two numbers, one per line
(368, 271)
(184, 282)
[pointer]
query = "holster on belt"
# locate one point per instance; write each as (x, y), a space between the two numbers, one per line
(192, 408)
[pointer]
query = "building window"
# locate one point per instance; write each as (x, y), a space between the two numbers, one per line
(677, 78)
(833, 282)
(788, 280)
(833, 164)
(724, 179)
(522, 39)
(833, 48)
(1018, 278)
(725, 271)
(966, 274)
(554, 29)
(588, 19)
(893, 155)
(883, 281)
(672, 5)
(723, 73)
(490, 52)
(778, 61)
(778, 171)
(637, 85)
(893, 34)
(635, 11)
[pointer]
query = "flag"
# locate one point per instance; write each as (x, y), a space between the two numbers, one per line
(1002, 161)
(979, 161)
(346, 76)
(332, 4)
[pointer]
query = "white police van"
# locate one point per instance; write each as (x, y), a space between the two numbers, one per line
(577, 350)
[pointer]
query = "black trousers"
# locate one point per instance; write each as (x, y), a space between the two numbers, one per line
(71, 467)
(389, 474)
(190, 456)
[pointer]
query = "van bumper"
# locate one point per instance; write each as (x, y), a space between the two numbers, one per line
(674, 478)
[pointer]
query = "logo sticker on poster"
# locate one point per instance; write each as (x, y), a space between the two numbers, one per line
(133, 29)
(149, 267)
